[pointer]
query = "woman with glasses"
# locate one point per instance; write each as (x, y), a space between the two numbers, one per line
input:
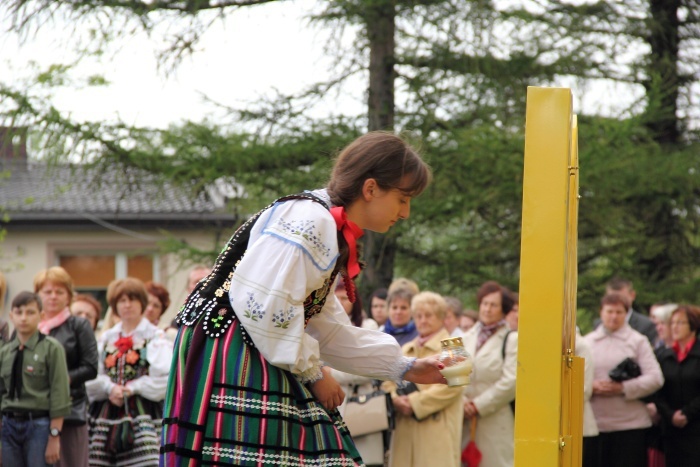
(678, 401)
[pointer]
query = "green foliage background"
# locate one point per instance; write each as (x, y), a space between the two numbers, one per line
(462, 70)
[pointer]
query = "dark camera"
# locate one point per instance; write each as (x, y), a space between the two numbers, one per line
(406, 388)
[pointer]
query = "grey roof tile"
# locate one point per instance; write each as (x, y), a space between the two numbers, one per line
(63, 190)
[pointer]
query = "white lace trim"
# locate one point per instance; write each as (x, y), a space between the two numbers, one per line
(276, 459)
(311, 375)
(402, 368)
(267, 406)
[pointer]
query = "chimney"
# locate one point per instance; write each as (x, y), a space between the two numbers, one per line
(13, 145)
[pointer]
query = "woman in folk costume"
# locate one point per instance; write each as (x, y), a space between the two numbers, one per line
(248, 385)
(128, 393)
(494, 349)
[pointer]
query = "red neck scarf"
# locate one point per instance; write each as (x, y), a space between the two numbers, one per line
(351, 232)
(682, 352)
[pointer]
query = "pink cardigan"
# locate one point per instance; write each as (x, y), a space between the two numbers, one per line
(623, 412)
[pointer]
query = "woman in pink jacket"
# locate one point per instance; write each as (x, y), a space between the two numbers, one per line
(621, 416)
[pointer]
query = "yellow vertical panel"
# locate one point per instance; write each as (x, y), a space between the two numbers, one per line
(542, 277)
(572, 379)
(576, 401)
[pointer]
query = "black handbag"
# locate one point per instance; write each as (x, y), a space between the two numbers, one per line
(626, 369)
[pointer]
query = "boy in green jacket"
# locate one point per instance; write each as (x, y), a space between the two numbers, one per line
(34, 389)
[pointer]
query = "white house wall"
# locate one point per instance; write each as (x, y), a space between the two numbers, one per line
(23, 254)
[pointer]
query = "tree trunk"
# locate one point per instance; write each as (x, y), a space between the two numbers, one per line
(662, 90)
(379, 250)
(663, 79)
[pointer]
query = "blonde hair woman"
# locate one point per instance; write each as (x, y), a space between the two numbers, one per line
(431, 415)
(55, 288)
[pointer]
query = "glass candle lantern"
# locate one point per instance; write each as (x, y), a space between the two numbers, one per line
(458, 363)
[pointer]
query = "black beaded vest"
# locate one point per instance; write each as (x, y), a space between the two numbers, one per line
(208, 304)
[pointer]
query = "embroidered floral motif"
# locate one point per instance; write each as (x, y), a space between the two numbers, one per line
(220, 318)
(307, 230)
(125, 359)
(132, 357)
(254, 309)
(283, 317)
(204, 303)
(110, 361)
(123, 344)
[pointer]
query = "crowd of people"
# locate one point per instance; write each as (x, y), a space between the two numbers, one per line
(272, 339)
(641, 385)
(77, 389)
(105, 380)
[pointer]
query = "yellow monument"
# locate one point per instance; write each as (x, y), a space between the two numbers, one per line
(549, 388)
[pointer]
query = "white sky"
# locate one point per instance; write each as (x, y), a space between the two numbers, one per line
(255, 51)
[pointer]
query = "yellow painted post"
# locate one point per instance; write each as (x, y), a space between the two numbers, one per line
(548, 403)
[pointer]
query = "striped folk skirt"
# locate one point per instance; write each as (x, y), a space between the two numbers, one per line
(125, 436)
(226, 405)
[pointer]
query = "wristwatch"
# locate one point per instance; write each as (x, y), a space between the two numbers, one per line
(55, 432)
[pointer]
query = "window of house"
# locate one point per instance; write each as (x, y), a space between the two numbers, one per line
(92, 273)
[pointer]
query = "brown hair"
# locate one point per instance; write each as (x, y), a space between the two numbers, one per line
(160, 292)
(56, 275)
(489, 287)
(618, 283)
(81, 297)
(25, 298)
(403, 283)
(400, 293)
(131, 287)
(692, 313)
(92, 301)
(614, 299)
(382, 156)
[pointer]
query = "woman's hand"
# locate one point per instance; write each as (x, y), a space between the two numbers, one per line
(607, 388)
(653, 413)
(470, 410)
(679, 419)
(426, 371)
(403, 405)
(116, 395)
(327, 390)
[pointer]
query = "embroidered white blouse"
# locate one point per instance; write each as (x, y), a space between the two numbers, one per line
(159, 354)
(292, 250)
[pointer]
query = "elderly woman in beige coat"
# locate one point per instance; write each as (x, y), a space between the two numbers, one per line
(494, 350)
(429, 419)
